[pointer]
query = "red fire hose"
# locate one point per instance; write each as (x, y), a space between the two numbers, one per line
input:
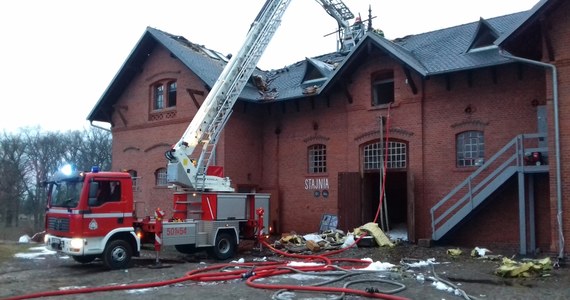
(262, 269)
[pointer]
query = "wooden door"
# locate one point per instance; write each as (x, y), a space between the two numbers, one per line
(349, 201)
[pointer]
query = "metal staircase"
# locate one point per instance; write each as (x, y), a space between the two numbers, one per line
(481, 184)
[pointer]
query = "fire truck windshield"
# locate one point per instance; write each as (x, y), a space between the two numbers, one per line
(66, 193)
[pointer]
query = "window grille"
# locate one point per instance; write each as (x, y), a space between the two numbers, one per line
(374, 156)
(161, 177)
(317, 158)
(470, 147)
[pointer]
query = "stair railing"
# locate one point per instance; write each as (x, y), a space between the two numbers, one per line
(481, 183)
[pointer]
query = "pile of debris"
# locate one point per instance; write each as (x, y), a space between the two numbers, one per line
(509, 267)
(525, 268)
(333, 239)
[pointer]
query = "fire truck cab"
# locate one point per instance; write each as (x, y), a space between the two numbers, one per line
(90, 215)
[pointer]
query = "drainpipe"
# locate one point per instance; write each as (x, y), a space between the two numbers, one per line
(100, 127)
(556, 141)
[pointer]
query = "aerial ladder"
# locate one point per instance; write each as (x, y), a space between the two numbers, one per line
(211, 117)
(213, 114)
(348, 35)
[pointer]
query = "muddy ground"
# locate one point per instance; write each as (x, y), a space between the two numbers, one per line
(27, 276)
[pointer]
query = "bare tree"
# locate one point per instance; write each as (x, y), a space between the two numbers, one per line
(32, 156)
(92, 147)
(12, 173)
(43, 160)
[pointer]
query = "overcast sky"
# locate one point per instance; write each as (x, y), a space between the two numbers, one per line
(58, 56)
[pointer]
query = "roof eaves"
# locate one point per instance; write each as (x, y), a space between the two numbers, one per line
(533, 14)
(498, 62)
(400, 53)
(116, 81)
(182, 53)
(393, 49)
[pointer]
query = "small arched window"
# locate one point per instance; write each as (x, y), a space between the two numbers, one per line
(317, 156)
(160, 177)
(163, 94)
(470, 147)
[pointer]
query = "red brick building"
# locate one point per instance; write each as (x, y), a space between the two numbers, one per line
(455, 114)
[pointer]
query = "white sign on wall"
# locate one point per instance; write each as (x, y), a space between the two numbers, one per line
(319, 186)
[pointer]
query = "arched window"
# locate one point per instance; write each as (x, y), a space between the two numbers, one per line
(160, 177)
(470, 147)
(163, 94)
(317, 155)
(373, 155)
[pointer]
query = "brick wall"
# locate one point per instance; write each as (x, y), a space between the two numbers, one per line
(559, 31)
(265, 146)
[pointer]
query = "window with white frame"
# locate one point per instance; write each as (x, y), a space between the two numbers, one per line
(373, 155)
(160, 177)
(317, 158)
(470, 147)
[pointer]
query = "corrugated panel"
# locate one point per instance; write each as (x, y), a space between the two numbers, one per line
(349, 204)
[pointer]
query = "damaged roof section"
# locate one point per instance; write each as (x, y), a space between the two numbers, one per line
(427, 54)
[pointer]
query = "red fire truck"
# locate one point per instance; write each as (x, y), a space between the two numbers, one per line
(91, 214)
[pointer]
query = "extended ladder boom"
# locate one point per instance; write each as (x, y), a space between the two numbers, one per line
(348, 35)
(213, 114)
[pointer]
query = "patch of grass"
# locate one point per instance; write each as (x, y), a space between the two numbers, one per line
(7, 250)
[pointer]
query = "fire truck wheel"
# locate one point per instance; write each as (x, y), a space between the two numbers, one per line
(225, 246)
(186, 249)
(117, 254)
(85, 259)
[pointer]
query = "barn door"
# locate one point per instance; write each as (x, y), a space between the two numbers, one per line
(349, 201)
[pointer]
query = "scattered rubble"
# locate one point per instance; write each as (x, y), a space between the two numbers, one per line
(454, 252)
(479, 252)
(525, 268)
(379, 236)
(332, 239)
(328, 240)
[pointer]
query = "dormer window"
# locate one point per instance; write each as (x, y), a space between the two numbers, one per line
(316, 72)
(484, 37)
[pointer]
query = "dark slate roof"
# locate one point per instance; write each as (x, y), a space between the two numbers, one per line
(428, 54)
(532, 15)
(446, 50)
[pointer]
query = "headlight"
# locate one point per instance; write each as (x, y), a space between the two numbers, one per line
(139, 233)
(76, 243)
